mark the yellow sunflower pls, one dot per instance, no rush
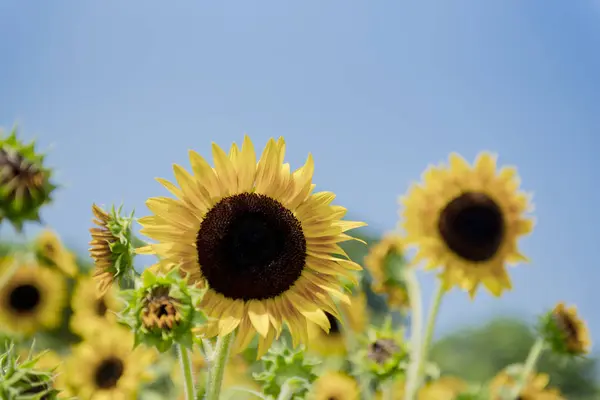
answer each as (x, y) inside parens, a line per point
(258, 238)
(52, 253)
(335, 386)
(536, 387)
(333, 342)
(573, 330)
(443, 388)
(106, 367)
(32, 299)
(468, 220)
(385, 281)
(92, 312)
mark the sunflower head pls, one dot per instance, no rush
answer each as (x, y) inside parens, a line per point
(24, 181)
(111, 247)
(254, 233)
(285, 366)
(383, 356)
(23, 378)
(335, 386)
(163, 310)
(536, 386)
(50, 252)
(32, 299)
(565, 331)
(468, 220)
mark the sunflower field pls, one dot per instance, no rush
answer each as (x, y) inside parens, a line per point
(260, 289)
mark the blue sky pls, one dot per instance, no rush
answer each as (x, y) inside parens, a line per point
(118, 91)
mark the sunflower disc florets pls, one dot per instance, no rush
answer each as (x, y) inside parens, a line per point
(163, 310)
(111, 247)
(285, 366)
(21, 379)
(24, 181)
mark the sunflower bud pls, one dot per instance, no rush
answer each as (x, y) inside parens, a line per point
(24, 182)
(22, 379)
(285, 366)
(565, 332)
(111, 247)
(163, 310)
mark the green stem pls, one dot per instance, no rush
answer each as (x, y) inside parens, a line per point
(416, 327)
(286, 392)
(534, 355)
(388, 391)
(352, 346)
(186, 368)
(219, 362)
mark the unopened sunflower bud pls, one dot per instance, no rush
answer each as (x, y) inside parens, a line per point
(565, 332)
(163, 310)
(24, 181)
(111, 247)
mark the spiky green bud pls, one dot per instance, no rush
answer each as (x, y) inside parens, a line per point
(163, 310)
(24, 181)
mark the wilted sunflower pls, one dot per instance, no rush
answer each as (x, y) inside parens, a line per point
(468, 220)
(566, 332)
(335, 386)
(258, 238)
(536, 387)
(333, 342)
(92, 312)
(385, 262)
(32, 299)
(106, 366)
(51, 252)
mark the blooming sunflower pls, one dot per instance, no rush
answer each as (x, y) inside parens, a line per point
(381, 264)
(32, 299)
(51, 252)
(332, 342)
(258, 238)
(468, 220)
(335, 386)
(536, 387)
(573, 335)
(106, 366)
(92, 312)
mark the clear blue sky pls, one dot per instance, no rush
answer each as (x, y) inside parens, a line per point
(375, 90)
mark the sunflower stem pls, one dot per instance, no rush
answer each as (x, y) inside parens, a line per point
(219, 362)
(416, 329)
(186, 368)
(388, 391)
(287, 392)
(532, 359)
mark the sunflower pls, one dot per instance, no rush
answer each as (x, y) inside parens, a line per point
(52, 253)
(32, 299)
(468, 220)
(107, 367)
(90, 311)
(333, 342)
(536, 387)
(387, 279)
(258, 238)
(335, 386)
(573, 332)
(443, 388)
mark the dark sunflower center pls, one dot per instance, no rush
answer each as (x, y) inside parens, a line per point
(335, 326)
(101, 307)
(382, 349)
(109, 372)
(24, 298)
(162, 311)
(472, 225)
(251, 247)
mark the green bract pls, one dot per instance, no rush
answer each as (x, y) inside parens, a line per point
(20, 380)
(163, 310)
(285, 366)
(24, 181)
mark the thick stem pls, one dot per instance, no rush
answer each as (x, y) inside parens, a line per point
(530, 362)
(416, 327)
(423, 350)
(219, 362)
(286, 393)
(186, 369)
(351, 346)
